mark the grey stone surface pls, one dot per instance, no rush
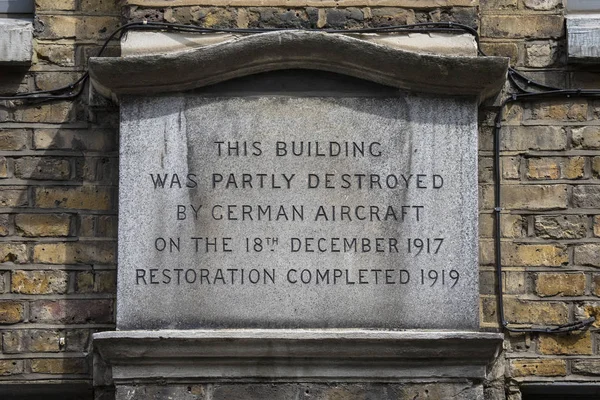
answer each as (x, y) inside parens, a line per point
(426, 138)
(16, 41)
(583, 37)
(252, 355)
(287, 391)
(280, 50)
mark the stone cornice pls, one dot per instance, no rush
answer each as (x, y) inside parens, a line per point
(295, 49)
(296, 355)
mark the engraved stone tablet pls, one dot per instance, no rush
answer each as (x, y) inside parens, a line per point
(298, 212)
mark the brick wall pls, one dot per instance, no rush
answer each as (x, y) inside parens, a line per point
(551, 199)
(58, 177)
(58, 168)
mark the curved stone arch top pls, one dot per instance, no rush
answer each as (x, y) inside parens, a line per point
(295, 49)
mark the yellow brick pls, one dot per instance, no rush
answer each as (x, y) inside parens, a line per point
(543, 168)
(74, 253)
(85, 282)
(561, 226)
(578, 343)
(587, 254)
(51, 80)
(75, 139)
(11, 312)
(587, 310)
(105, 282)
(525, 197)
(4, 225)
(107, 226)
(486, 197)
(535, 255)
(596, 285)
(514, 282)
(33, 225)
(3, 168)
(67, 5)
(560, 110)
(486, 170)
(522, 137)
(488, 310)
(11, 367)
(42, 168)
(14, 139)
(542, 5)
(541, 54)
(87, 226)
(560, 284)
(534, 312)
(510, 167)
(57, 112)
(218, 17)
(63, 55)
(13, 197)
(82, 28)
(302, 3)
(512, 226)
(573, 168)
(521, 26)
(498, 4)
(96, 282)
(83, 197)
(104, 6)
(31, 340)
(586, 196)
(13, 252)
(586, 367)
(525, 367)
(59, 366)
(596, 167)
(577, 112)
(587, 137)
(534, 197)
(509, 50)
(39, 282)
(526, 255)
(44, 341)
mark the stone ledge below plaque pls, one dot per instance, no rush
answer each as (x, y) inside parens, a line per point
(376, 61)
(296, 355)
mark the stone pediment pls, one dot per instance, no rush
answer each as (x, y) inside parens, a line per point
(353, 55)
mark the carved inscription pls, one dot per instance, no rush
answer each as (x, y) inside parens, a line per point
(293, 240)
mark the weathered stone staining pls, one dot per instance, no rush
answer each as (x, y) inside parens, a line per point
(307, 200)
(360, 179)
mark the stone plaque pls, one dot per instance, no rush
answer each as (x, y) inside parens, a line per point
(298, 212)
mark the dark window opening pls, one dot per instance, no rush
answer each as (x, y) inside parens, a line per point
(560, 391)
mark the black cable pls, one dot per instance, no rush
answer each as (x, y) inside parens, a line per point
(54, 94)
(420, 27)
(49, 94)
